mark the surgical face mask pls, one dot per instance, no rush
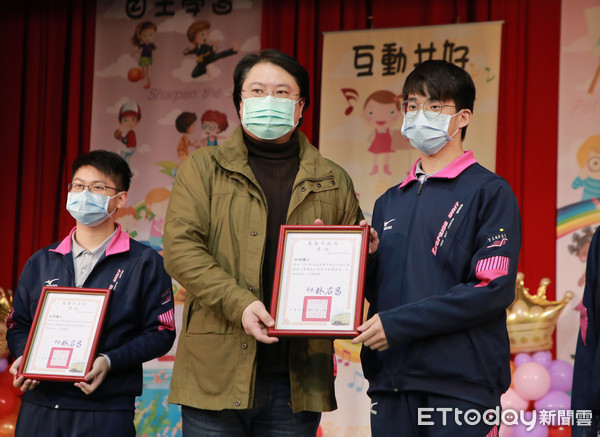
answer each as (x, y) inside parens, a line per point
(428, 135)
(88, 208)
(269, 117)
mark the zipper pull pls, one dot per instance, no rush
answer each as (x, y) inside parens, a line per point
(420, 188)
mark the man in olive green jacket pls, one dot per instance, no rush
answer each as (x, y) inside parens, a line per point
(215, 235)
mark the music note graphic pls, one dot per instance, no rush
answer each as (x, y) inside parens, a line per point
(345, 357)
(350, 94)
(358, 386)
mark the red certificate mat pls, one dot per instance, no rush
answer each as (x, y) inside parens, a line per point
(319, 281)
(64, 334)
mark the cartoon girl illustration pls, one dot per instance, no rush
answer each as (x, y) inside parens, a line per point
(129, 116)
(380, 112)
(213, 123)
(127, 218)
(580, 248)
(185, 123)
(156, 203)
(588, 158)
(205, 53)
(142, 39)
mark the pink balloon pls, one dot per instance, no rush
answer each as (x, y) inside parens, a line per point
(512, 400)
(561, 375)
(531, 380)
(544, 358)
(521, 358)
(553, 401)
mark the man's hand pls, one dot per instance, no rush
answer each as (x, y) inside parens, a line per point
(372, 334)
(21, 382)
(95, 377)
(255, 320)
(373, 238)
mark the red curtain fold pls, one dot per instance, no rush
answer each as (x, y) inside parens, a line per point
(46, 92)
(527, 122)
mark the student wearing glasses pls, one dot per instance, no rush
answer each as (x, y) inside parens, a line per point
(221, 236)
(139, 324)
(435, 344)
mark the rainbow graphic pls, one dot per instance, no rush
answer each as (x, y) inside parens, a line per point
(576, 216)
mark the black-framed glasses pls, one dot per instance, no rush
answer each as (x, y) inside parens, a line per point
(431, 109)
(92, 188)
(280, 94)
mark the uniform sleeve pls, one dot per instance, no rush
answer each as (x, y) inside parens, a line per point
(20, 319)
(156, 313)
(586, 373)
(486, 290)
(186, 236)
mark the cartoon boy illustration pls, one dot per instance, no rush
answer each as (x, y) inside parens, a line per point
(588, 158)
(213, 123)
(381, 111)
(142, 39)
(205, 53)
(185, 123)
(129, 116)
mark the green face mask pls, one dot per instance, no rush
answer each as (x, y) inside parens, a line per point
(268, 117)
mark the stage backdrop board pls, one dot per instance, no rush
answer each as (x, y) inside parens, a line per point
(363, 74)
(578, 211)
(162, 78)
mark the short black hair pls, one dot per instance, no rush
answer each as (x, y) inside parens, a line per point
(109, 163)
(276, 57)
(442, 80)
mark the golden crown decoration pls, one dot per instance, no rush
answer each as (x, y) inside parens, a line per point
(6, 305)
(531, 318)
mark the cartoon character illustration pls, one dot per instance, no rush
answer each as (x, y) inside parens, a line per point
(127, 218)
(185, 123)
(380, 112)
(205, 53)
(588, 158)
(580, 248)
(142, 39)
(130, 115)
(213, 123)
(156, 202)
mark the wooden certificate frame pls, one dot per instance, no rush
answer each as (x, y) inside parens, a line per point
(64, 334)
(319, 281)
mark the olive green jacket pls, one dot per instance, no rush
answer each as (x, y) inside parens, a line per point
(214, 239)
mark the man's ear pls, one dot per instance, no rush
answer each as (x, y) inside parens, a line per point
(464, 118)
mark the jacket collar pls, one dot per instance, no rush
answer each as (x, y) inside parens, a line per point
(119, 243)
(233, 155)
(451, 171)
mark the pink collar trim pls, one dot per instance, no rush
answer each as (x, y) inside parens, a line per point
(451, 171)
(119, 243)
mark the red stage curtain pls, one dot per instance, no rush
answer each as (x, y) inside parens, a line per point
(46, 91)
(528, 115)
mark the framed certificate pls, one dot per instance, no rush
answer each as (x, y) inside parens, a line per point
(319, 281)
(64, 334)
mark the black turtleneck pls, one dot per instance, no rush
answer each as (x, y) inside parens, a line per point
(275, 166)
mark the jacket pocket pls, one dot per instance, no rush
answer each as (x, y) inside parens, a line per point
(203, 321)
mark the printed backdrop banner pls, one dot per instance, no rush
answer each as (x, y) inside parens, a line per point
(578, 182)
(162, 88)
(363, 74)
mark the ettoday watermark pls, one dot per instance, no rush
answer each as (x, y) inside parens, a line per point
(496, 416)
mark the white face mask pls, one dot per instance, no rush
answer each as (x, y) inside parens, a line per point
(426, 135)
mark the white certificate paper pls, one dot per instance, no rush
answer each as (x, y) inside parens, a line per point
(318, 281)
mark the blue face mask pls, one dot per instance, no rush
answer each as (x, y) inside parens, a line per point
(268, 117)
(427, 135)
(88, 208)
